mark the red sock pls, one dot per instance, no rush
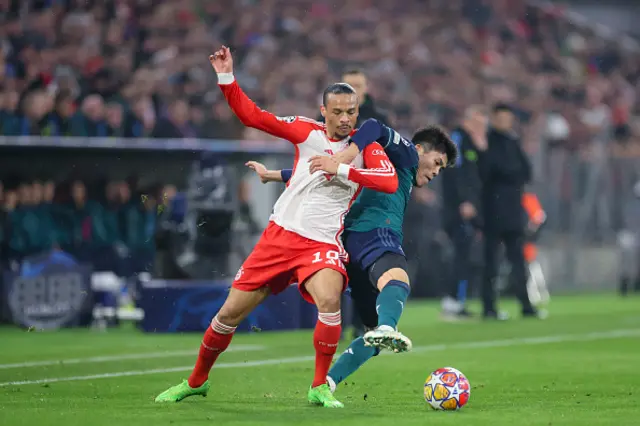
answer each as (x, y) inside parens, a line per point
(216, 340)
(325, 340)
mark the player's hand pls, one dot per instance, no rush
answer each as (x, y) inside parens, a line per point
(348, 155)
(260, 170)
(323, 163)
(221, 60)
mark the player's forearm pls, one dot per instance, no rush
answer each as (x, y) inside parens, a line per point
(383, 179)
(273, 176)
(242, 106)
(370, 131)
(348, 155)
(401, 152)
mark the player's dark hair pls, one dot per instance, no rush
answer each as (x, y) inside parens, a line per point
(435, 138)
(337, 89)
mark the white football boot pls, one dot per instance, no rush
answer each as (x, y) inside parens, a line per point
(385, 337)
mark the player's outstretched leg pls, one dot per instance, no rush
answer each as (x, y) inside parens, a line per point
(325, 287)
(216, 340)
(394, 291)
(353, 358)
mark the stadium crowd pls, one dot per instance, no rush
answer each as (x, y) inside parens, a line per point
(139, 67)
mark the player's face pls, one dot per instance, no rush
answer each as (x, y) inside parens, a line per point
(431, 162)
(340, 114)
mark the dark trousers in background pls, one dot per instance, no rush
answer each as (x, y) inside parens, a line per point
(514, 243)
(462, 236)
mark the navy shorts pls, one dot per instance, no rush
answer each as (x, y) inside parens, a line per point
(365, 248)
(371, 255)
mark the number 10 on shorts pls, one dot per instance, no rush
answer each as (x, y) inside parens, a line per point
(330, 257)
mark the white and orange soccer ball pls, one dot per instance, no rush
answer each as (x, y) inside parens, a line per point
(447, 389)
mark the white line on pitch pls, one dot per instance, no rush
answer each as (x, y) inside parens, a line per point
(121, 357)
(613, 334)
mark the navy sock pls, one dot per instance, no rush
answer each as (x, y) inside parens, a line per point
(390, 302)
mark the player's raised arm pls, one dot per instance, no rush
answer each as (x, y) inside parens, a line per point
(289, 128)
(401, 152)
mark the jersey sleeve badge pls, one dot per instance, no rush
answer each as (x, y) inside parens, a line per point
(289, 119)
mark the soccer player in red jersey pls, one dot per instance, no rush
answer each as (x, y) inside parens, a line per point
(302, 243)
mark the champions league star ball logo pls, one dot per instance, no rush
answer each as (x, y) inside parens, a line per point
(49, 292)
(290, 119)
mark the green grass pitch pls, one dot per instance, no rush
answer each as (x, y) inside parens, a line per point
(581, 366)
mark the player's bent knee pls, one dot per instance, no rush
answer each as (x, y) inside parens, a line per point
(229, 317)
(328, 303)
(393, 274)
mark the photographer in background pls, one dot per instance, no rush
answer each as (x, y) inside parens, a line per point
(505, 171)
(462, 190)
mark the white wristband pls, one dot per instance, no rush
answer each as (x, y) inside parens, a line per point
(343, 171)
(226, 78)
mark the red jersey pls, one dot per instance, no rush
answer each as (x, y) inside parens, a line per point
(313, 205)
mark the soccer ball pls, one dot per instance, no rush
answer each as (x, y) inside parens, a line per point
(447, 389)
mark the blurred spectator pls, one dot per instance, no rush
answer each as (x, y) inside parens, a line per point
(224, 125)
(10, 120)
(49, 192)
(176, 124)
(198, 119)
(60, 121)
(141, 120)
(92, 121)
(34, 121)
(596, 115)
(86, 223)
(12, 243)
(141, 226)
(114, 120)
(36, 231)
